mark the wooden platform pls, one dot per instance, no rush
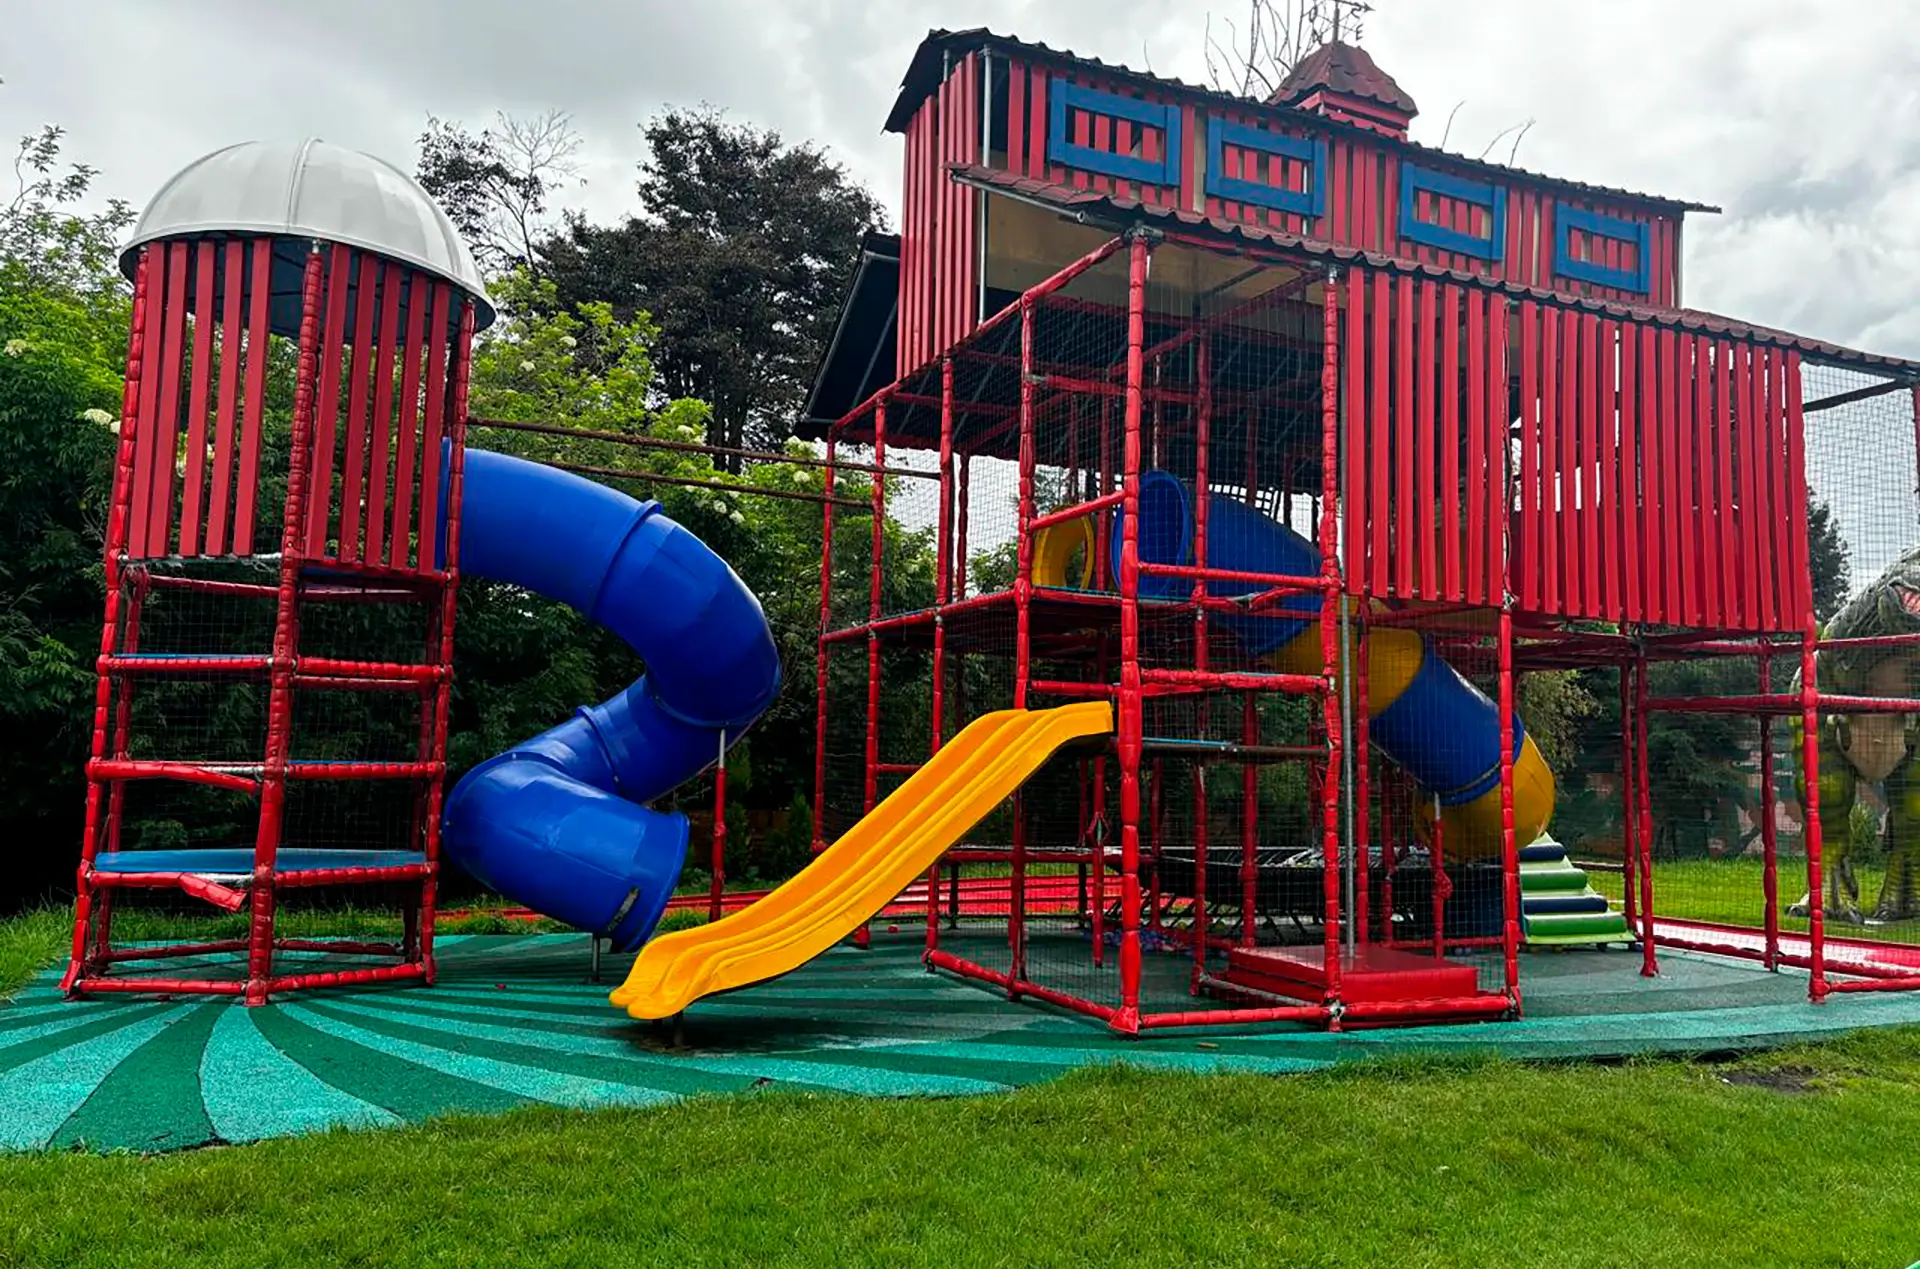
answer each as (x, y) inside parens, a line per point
(1370, 973)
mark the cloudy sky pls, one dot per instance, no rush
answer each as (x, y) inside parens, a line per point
(1800, 118)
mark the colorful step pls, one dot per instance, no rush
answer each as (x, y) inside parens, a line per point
(1558, 907)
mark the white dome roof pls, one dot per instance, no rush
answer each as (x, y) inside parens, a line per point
(305, 190)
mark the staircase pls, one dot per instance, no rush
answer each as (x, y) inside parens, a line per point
(1557, 906)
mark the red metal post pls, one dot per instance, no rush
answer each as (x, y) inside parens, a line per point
(1330, 633)
(119, 512)
(1509, 845)
(1629, 803)
(1770, 876)
(273, 780)
(1023, 635)
(1202, 441)
(1810, 812)
(1131, 720)
(824, 650)
(1650, 964)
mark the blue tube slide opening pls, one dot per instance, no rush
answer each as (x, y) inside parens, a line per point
(558, 822)
(1442, 730)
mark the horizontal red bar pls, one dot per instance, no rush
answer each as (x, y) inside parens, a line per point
(346, 946)
(310, 877)
(1905, 982)
(103, 769)
(364, 770)
(168, 986)
(1783, 703)
(967, 969)
(1441, 1007)
(1075, 512)
(895, 768)
(1059, 687)
(1297, 683)
(349, 977)
(1234, 1017)
(120, 954)
(1278, 581)
(183, 665)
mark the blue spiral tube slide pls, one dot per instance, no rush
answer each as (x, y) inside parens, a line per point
(559, 822)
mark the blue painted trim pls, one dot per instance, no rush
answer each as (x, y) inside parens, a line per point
(1637, 232)
(1311, 202)
(1063, 96)
(1480, 193)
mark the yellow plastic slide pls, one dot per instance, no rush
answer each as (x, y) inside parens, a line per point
(863, 871)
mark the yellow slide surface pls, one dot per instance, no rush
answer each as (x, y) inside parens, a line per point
(862, 872)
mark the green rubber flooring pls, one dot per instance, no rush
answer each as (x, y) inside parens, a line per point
(514, 1021)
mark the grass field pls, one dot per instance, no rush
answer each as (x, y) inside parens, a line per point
(1797, 1158)
(1800, 1157)
(1729, 891)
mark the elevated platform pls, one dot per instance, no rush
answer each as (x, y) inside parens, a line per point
(1371, 974)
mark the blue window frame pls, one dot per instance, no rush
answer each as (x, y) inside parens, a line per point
(1310, 202)
(1594, 225)
(1061, 149)
(1414, 180)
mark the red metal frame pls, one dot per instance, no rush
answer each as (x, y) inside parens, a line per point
(169, 366)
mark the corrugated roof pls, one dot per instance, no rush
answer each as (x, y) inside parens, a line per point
(1340, 67)
(927, 70)
(1120, 213)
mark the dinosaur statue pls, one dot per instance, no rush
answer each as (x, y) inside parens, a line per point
(1869, 748)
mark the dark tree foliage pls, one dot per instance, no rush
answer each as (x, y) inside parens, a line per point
(741, 249)
(1828, 560)
(496, 184)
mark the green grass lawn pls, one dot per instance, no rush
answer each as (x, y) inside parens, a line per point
(1797, 1158)
(1730, 891)
(1800, 1157)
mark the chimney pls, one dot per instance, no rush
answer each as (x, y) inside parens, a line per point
(1340, 81)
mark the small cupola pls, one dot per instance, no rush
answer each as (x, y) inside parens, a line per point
(1340, 81)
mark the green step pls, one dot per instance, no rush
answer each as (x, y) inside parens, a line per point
(1552, 880)
(1598, 927)
(1558, 878)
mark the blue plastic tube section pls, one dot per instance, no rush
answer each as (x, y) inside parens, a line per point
(558, 823)
(1442, 730)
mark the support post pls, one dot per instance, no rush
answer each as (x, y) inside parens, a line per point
(1127, 1018)
(1332, 692)
(1810, 812)
(1769, 852)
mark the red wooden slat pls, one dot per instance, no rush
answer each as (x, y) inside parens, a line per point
(1082, 126)
(1572, 592)
(1686, 459)
(1485, 505)
(220, 496)
(1552, 478)
(1120, 143)
(1802, 608)
(1607, 508)
(438, 335)
(1421, 521)
(253, 410)
(326, 415)
(1653, 546)
(1335, 227)
(166, 429)
(1776, 553)
(194, 486)
(1017, 118)
(1354, 365)
(938, 247)
(1454, 586)
(1405, 531)
(365, 301)
(381, 442)
(1381, 504)
(1671, 548)
(1592, 602)
(1788, 512)
(1704, 459)
(1726, 491)
(1746, 415)
(1491, 536)
(1390, 203)
(149, 404)
(1532, 595)
(967, 308)
(1627, 515)
(1042, 120)
(407, 422)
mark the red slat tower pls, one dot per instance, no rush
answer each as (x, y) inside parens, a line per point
(281, 564)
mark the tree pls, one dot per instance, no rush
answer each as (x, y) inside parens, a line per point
(63, 323)
(1827, 559)
(741, 250)
(496, 186)
(1261, 49)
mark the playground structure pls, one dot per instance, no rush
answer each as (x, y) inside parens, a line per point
(1276, 454)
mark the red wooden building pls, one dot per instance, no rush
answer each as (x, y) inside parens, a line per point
(1493, 440)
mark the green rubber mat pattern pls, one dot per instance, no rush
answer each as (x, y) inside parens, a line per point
(513, 1021)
